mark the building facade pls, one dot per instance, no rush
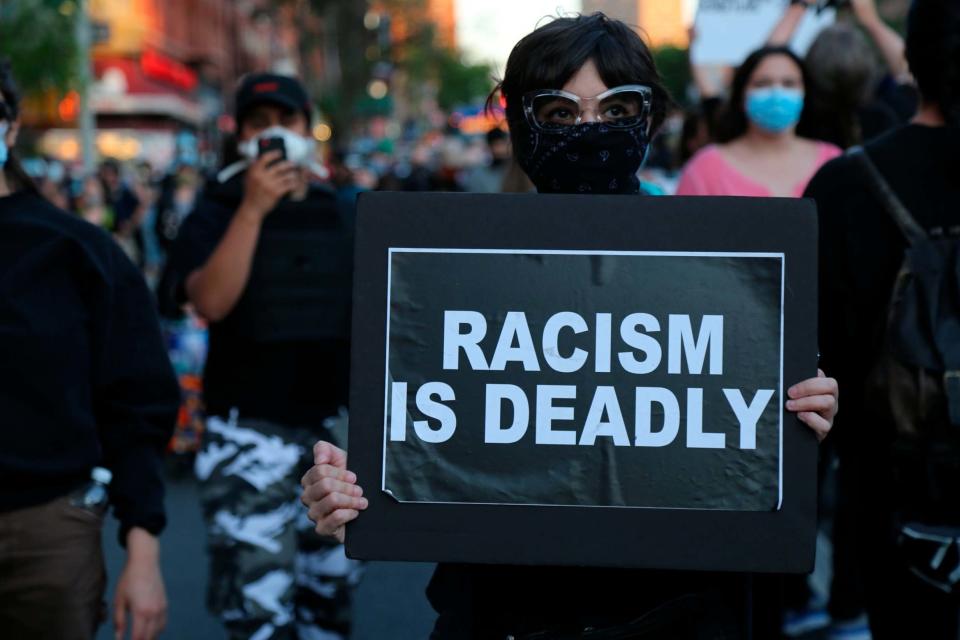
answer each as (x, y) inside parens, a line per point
(661, 22)
(164, 73)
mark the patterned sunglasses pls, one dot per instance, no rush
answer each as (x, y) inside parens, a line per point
(554, 110)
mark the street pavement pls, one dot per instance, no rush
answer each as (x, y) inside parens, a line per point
(390, 602)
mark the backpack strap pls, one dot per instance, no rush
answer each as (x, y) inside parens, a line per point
(911, 230)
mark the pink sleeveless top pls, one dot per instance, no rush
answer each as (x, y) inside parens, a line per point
(709, 174)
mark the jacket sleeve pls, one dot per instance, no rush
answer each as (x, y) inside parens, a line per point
(136, 398)
(827, 189)
(197, 238)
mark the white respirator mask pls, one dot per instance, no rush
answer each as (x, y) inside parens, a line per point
(299, 150)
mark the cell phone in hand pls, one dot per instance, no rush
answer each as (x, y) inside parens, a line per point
(266, 145)
(823, 5)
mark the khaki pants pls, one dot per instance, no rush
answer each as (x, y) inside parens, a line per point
(52, 576)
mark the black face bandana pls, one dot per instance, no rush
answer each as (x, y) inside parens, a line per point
(586, 158)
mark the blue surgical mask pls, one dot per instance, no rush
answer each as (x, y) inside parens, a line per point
(3, 143)
(774, 109)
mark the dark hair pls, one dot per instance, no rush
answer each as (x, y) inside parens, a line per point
(843, 74)
(111, 164)
(496, 134)
(933, 52)
(11, 96)
(549, 56)
(694, 124)
(733, 121)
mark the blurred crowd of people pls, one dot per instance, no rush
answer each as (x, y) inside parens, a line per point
(852, 84)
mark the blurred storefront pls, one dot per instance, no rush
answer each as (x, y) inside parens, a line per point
(164, 71)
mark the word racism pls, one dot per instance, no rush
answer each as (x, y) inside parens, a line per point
(644, 344)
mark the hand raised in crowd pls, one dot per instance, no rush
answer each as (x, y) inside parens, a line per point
(865, 10)
(140, 596)
(268, 179)
(330, 491)
(815, 401)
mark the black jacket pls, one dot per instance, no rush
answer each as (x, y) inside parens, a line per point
(282, 353)
(84, 374)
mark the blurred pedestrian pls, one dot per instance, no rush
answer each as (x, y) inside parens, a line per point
(888, 218)
(90, 203)
(853, 97)
(146, 188)
(84, 383)
(844, 75)
(128, 207)
(178, 196)
(488, 178)
(762, 150)
(266, 259)
(590, 83)
(694, 135)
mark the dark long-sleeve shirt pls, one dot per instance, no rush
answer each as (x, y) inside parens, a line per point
(84, 377)
(861, 250)
(283, 352)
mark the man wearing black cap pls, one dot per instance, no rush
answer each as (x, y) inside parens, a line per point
(266, 259)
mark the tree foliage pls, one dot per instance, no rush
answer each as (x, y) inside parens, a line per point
(38, 38)
(365, 54)
(427, 61)
(674, 66)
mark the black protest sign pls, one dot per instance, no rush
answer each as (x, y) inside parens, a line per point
(613, 358)
(531, 363)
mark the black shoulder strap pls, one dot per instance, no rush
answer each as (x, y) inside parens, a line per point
(912, 232)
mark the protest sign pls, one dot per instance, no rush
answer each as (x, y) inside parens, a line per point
(617, 360)
(726, 31)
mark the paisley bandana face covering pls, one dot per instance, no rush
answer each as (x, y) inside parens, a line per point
(563, 154)
(587, 158)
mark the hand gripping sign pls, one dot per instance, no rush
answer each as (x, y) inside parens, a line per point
(526, 364)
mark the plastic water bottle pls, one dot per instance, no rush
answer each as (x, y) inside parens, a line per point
(93, 496)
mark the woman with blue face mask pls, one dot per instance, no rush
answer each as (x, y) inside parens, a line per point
(762, 151)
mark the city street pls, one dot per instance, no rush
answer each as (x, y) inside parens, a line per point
(390, 601)
(231, 227)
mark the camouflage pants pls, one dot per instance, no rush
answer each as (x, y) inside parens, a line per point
(271, 576)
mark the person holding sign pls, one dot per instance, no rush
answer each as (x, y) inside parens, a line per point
(762, 151)
(583, 98)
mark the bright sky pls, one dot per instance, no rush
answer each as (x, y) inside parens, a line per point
(488, 29)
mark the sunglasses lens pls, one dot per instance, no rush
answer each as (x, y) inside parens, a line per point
(623, 109)
(554, 112)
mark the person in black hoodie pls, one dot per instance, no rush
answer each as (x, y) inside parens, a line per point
(84, 382)
(266, 259)
(587, 56)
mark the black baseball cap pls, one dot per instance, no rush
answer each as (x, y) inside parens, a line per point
(271, 88)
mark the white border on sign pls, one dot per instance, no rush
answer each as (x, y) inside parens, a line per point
(576, 252)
